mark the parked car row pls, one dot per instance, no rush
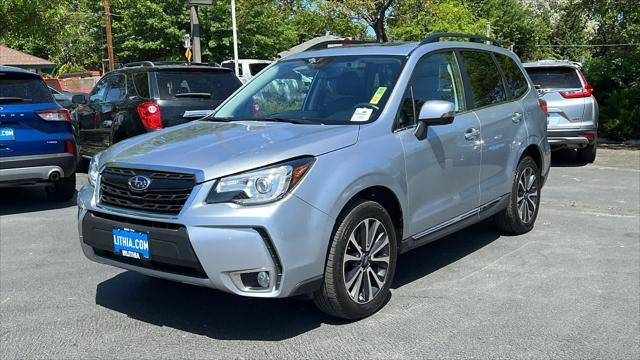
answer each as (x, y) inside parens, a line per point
(41, 143)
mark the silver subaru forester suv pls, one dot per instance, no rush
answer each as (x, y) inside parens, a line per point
(316, 174)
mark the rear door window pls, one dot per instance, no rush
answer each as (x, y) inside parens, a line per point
(514, 78)
(141, 84)
(555, 77)
(23, 89)
(486, 83)
(218, 84)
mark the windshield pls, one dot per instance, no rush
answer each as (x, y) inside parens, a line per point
(341, 89)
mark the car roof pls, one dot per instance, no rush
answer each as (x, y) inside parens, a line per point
(395, 48)
(15, 70)
(553, 63)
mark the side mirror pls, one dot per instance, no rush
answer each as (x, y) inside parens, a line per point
(79, 99)
(434, 113)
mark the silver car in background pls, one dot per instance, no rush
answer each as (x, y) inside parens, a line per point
(573, 111)
(316, 174)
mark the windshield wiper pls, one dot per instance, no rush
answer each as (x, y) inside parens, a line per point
(13, 100)
(193, 94)
(218, 119)
(292, 121)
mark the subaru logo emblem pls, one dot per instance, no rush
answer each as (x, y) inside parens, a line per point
(139, 183)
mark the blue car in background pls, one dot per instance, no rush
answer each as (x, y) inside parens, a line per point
(37, 146)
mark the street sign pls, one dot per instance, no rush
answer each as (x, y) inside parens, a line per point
(188, 54)
(187, 41)
(200, 2)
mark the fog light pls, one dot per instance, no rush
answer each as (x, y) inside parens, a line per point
(263, 279)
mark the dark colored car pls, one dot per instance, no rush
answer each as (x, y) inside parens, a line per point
(64, 98)
(146, 96)
(37, 146)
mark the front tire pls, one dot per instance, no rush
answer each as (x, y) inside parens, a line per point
(361, 263)
(524, 200)
(63, 189)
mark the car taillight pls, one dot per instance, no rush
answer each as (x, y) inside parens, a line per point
(543, 107)
(587, 135)
(150, 115)
(586, 90)
(70, 147)
(54, 115)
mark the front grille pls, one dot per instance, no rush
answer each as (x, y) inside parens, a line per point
(166, 194)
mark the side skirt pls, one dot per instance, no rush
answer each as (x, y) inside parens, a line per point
(458, 223)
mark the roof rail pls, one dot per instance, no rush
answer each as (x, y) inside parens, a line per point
(149, 63)
(139, 63)
(337, 43)
(472, 38)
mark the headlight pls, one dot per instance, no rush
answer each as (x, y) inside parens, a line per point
(94, 169)
(260, 186)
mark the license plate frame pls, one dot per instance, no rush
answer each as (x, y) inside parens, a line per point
(131, 243)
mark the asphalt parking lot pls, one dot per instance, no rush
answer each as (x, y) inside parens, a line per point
(568, 289)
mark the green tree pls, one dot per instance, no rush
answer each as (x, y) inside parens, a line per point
(414, 19)
(372, 12)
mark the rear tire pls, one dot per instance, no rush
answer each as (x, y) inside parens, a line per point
(587, 154)
(63, 189)
(357, 277)
(524, 200)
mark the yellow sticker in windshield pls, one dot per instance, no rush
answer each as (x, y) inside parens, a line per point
(378, 95)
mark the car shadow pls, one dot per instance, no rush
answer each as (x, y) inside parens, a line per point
(566, 158)
(224, 316)
(20, 200)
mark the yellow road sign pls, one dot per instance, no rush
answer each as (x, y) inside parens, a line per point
(188, 54)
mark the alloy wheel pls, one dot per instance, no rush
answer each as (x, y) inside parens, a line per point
(366, 260)
(527, 199)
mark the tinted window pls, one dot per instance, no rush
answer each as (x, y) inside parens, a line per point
(435, 77)
(514, 78)
(256, 68)
(217, 83)
(141, 83)
(555, 77)
(98, 92)
(117, 88)
(486, 82)
(28, 89)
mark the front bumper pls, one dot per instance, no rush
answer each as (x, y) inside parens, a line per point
(35, 168)
(571, 138)
(288, 238)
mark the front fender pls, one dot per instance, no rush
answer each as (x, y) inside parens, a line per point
(338, 176)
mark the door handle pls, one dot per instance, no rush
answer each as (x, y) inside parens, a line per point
(516, 117)
(472, 134)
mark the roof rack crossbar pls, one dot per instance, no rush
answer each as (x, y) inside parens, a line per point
(139, 63)
(472, 38)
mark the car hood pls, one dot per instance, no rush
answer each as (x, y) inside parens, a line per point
(214, 149)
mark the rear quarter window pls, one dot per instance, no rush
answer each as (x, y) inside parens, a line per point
(554, 77)
(31, 90)
(220, 84)
(514, 78)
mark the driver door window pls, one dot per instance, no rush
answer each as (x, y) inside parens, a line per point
(435, 77)
(99, 91)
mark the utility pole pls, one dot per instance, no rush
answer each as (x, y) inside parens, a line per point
(195, 34)
(488, 32)
(107, 20)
